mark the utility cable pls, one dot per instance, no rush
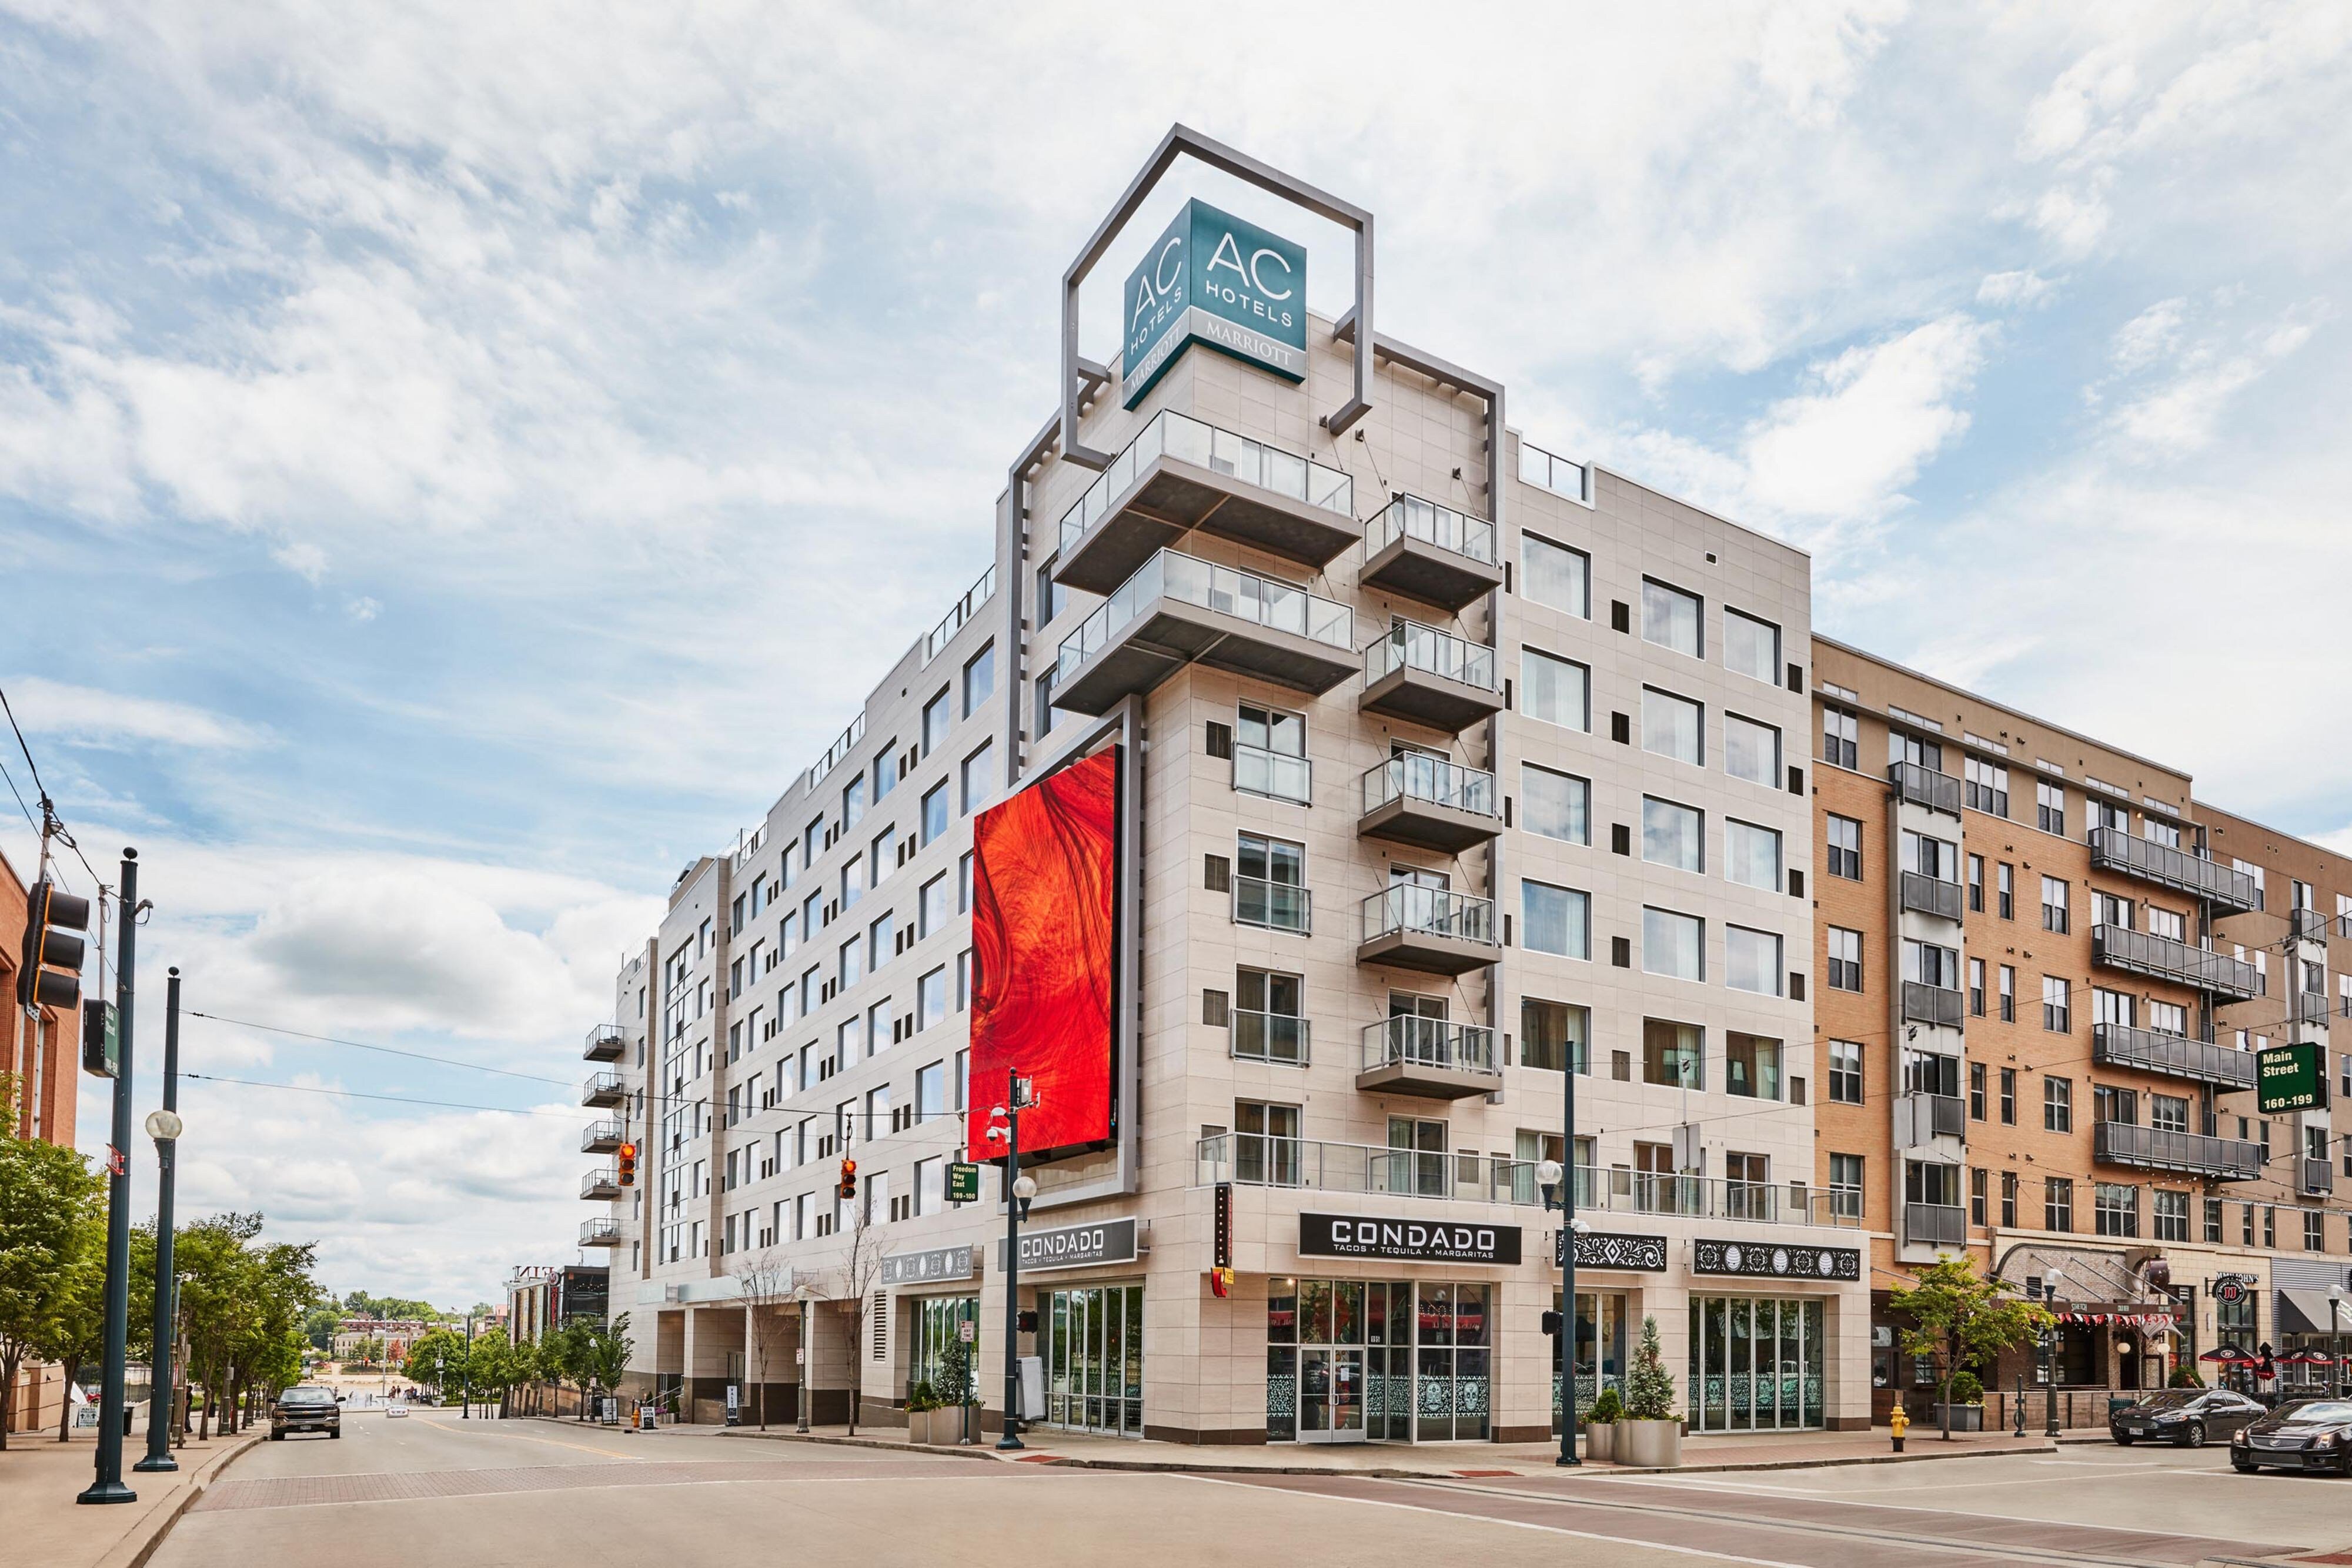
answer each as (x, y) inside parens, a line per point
(385, 1050)
(395, 1099)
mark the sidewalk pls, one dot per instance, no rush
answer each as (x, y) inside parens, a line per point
(1795, 1450)
(41, 1477)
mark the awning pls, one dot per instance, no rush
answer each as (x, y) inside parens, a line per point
(2087, 1274)
(2305, 1312)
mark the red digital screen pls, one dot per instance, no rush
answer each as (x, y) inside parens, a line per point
(1044, 890)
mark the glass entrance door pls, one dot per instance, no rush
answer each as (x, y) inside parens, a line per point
(1094, 1360)
(1331, 1396)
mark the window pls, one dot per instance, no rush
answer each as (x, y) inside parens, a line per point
(1554, 919)
(853, 802)
(1671, 1054)
(1670, 618)
(1270, 753)
(2314, 1232)
(979, 679)
(2170, 1114)
(1751, 647)
(2115, 1209)
(931, 998)
(2054, 905)
(1751, 1066)
(1976, 1196)
(2007, 891)
(2109, 1103)
(938, 717)
(935, 811)
(1986, 787)
(1931, 964)
(1554, 1033)
(2113, 1007)
(1752, 961)
(2057, 1005)
(1976, 884)
(2057, 1105)
(2007, 993)
(1751, 750)
(851, 968)
(1976, 1090)
(881, 941)
(1845, 959)
(1266, 1023)
(2057, 1203)
(1672, 834)
(2166, 922)
(1670, 727)
(1845, 1186)
(979, 778)
(2050, 807)
(1845, 847)
(886, 770)
(2168, 1017)
(1917, 750)
(1751, 855)
(1976, 988)
(2113, 817)
(1673, 945)
(1555, 690)
(2009, 1096)
(1846, 1072)
(852, 883)
(1555, 805)
(1269, 883)
(2213, 1221)
(1557, 577)
(1840, 733)
(932, 906)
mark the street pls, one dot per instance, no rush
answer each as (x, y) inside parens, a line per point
(433, 1489)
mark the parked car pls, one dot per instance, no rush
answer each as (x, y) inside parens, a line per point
(306, 1407)
(2308, 1434)
(2188, 1417)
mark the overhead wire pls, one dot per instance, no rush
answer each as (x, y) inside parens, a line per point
(384, 1050)
(358, 1094)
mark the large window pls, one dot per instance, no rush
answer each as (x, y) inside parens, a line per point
(1846, 1072)
(2057, 1005)
(2057, 1105)
(1751, 750)
(2171, 1215)
(1751, 1066)
(1844, 840)
(1841, 732)
(1556, 691)
(979, 679)
(1673, 1054)
(1554, 1033)
(1670, 618)
(1986, 786)
(1752, 961)
(938, 717)
(1671, 726)
(932, 906)
(1555, 805)
(1751, 855)
(1845, 1186)
(2057, 1203)
(2115, 1209)
(1671, 835)
(935, 811)
(1751, 647)
(2050, 807)
(979, 778)
(1845, 959)
(1555, 920)
(1557, 577)
(1269, 883)
(1674, 945)
(2054, 905)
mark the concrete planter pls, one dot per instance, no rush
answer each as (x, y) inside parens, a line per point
(1649, 1443)
(1601, 1440)
(1965, 1418)
(943, 1427)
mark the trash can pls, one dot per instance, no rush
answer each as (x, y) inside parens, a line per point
(126, 1420)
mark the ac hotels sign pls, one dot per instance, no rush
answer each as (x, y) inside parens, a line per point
(1213, 278)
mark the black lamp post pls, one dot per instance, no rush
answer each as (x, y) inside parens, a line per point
(165, 1126)
(2049, 1282)
(1557, 1182)
(1006, 1128)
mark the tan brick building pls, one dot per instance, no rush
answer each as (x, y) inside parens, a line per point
(41, 1058)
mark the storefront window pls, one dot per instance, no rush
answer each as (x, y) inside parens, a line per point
(1599, 1349)
(1756, 1363)
(936, 1321)
(1356, 1360)
(1094, 1359)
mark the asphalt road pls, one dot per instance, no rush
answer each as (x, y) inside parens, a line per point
(431, 1488)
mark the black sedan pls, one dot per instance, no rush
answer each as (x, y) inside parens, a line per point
(2308, 1434)
(2184, 1415)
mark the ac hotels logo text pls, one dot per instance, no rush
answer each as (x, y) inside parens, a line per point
(1213, 279)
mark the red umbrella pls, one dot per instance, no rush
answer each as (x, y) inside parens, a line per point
(2306, 1358)
(2228, 1355)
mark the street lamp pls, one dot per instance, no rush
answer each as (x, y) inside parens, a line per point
(1555, 1180)
(164, 1127)
(2049, 1284)
(1004, 1127)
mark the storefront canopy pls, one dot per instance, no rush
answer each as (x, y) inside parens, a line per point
(2305, 1312)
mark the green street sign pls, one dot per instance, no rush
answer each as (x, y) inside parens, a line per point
(1213, 278)
(963, 1183)
(102, 1039)
(2288, 1078)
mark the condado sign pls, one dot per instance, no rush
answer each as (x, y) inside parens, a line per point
(1405, 1241)
(2287, 1078)
(1213, 278)
(1076, 1246)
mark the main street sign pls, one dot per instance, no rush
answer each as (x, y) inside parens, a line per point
(1213, 279)
(2288, 1078)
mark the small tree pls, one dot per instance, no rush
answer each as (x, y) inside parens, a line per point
(860, 1271)
(48, 1210)
(954, 1382)
(606, 1359)
(767, 1286)
(1649, 1387)
(1962, 1320)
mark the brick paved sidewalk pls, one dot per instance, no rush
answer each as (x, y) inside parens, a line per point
(41, 1477)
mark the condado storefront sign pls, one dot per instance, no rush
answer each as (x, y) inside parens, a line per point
(1405, 1241)
(1076, 1246)
(1213, 278)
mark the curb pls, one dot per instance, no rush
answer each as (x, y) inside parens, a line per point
(206, 1472)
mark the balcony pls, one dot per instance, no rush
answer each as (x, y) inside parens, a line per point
(1925, 787)
(1277, 775)
(1278, 1038)
(1276, 905)
(2175, 1056)
(1180, 474)
(2159, 1149)
(2316, 1177)
(600, 1186)
(1428, 929)
(1430, 1058)
(602, 1089)
(2162, 958)
(1308, 1165)
(1177, 611)
(1931, 1005)
(2228, 889)
(1432, 553)
(2306, 925)
(1425, 676)
(1935, 1225)
(605, 1043)
(1930, 895)
(1921, 1118)
(1429, 803)
(601, 1138)
(2311, 1008)
(600, 1233)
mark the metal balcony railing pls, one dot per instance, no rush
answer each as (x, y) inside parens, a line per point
(2163, 958)
(2176, 1056)
(1931, 1004)
(1925, 787)
(1935, 1225)
(1414, 910)
(1281, 1037)
(2224, 887)
(1433, 1043)
(600, 1136)
(2306, 925)
(1411, 516)
(1417, 776)
(1266, 601)
(605, 1043)
(1277, 775)
(599, 1232)
(1930, 895)
(1204, 445)
(2311, 1008)
(1410, 645)
(601, 1089)
(2227, 1159)
(1278, 905)
(2318, 1176)
(1925, 1116)
(601, 1183)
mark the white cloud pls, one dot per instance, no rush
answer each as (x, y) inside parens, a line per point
(2006, 290)
(82, 716)
(2148, 336)
(2073, 220)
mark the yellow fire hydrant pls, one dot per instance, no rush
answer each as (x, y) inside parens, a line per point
(1899, 1423)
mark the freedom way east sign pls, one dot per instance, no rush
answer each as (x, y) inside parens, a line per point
(1215, 279)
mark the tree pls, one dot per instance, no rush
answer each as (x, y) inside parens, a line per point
(606, 1361)
(319, 1326)
(437, 1361)
(49, 1209)
(1962, 1320)
(1649, 1387)
(859, 1271)
(497, 1365)
(75, 1333)
(767, 1286)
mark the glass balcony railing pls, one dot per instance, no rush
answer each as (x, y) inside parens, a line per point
(1927, 787)
(1169, 574)
(1437, 1043)
(1279, 905)
(1410, 645)
(1432, 779)
(1418, 911)
(1204, 445)
(1935, 1225)
(1281, 1037)
(1275, 774)
(1410, 516)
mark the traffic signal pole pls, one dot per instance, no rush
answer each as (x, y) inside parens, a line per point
(108, 1487)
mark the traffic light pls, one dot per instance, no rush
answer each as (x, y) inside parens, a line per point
(628, 1157)
(847, 1190)
(49, 916)
(1551, 1322)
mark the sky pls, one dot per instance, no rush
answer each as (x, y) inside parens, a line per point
(411, 418)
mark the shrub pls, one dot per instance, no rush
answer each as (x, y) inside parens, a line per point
(921, 1397)
(2185, 1376)
(1650, 1389)
(1606, 1409)
(954, 1385)
(1967, 1388)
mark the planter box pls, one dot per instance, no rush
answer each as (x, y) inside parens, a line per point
(937, 1426)
(1650, 1443)
(1601, 1440)
(1965, 1418)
